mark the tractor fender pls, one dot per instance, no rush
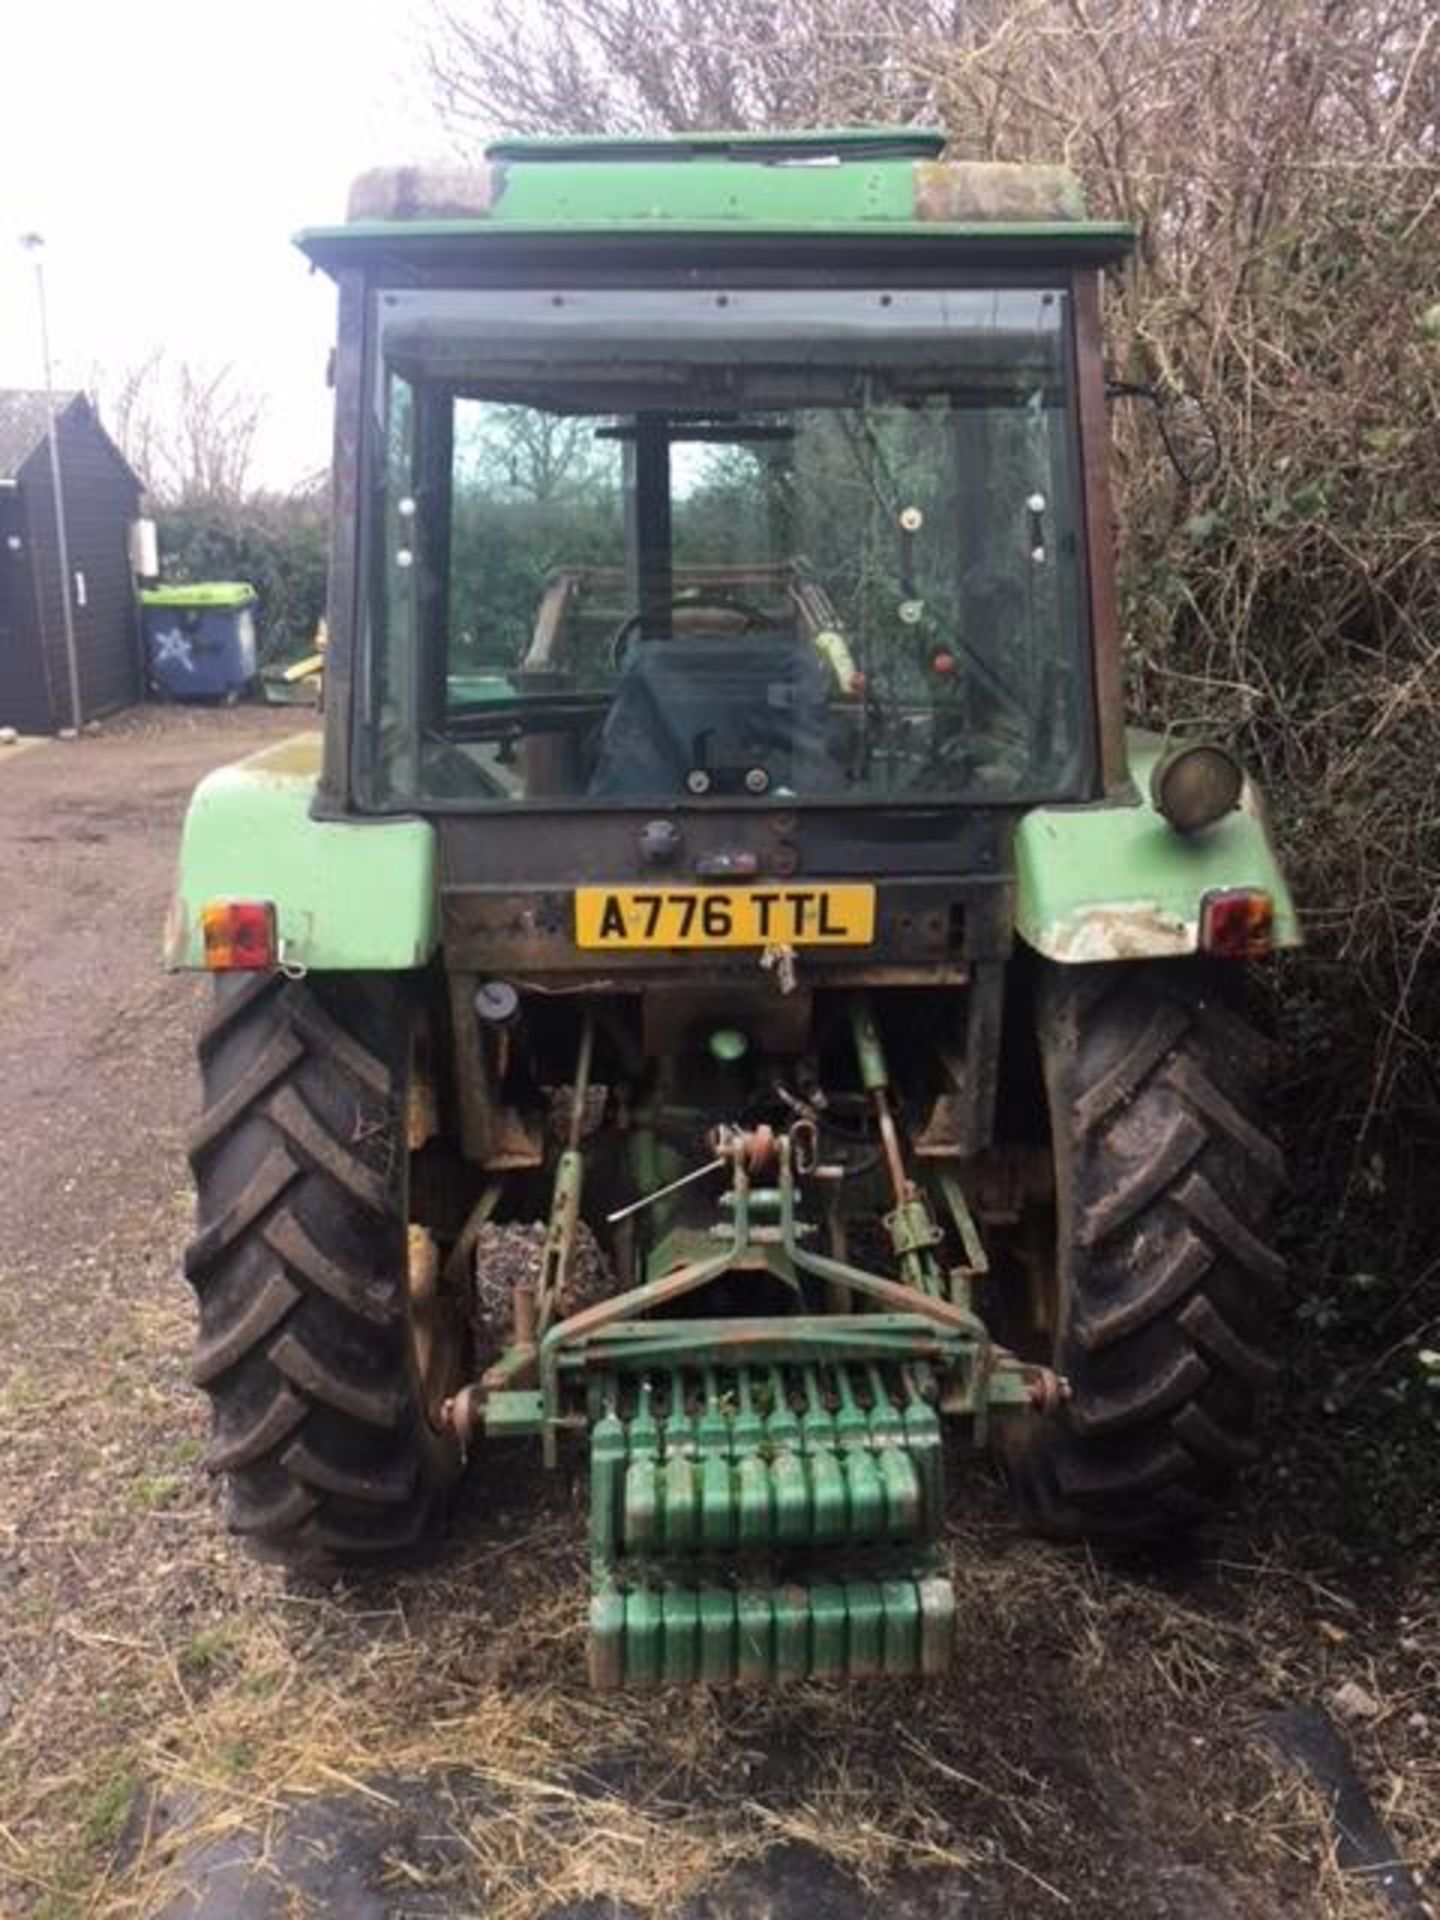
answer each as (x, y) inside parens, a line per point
(1115, 881)
(349, 895)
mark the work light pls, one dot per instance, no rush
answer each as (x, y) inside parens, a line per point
(1194, 786)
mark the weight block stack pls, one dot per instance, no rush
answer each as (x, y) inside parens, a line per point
(767, 1524)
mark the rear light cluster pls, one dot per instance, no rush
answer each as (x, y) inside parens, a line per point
(240, 936)
(1236, 923)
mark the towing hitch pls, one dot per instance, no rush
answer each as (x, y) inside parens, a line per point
(767, 1489)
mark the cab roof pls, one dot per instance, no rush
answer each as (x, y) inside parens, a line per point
(851, 184)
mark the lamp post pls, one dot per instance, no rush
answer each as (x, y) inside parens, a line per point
(34, 245)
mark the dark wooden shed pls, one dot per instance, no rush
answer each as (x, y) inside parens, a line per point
(102, 498)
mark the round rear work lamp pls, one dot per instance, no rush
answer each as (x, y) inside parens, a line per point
(1194, 786)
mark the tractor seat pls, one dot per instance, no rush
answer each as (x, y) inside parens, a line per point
(745, 716)
(685, 621)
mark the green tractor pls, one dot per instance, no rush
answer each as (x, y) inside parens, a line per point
(725, 992)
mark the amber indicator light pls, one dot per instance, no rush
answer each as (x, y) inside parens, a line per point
(239, 936)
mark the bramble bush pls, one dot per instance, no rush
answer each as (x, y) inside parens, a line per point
(276, 542)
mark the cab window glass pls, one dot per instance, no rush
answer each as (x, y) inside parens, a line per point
(777, 545)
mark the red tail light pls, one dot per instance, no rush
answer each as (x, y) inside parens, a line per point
(239, 936)
(1235, 924)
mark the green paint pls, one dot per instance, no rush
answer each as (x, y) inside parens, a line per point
(728, 1044)
(514, 1413)
(607, 1466)
(204, 593)
(795, 1442)
(1096, 241)
(475, 689)
(350, 896)
(622, 192)
(1116, 882)
(919, 142)
(860, 181)
(843, 1568)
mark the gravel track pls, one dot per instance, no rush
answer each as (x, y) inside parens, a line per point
(183, 1733)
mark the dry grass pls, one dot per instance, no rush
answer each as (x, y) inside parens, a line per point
(164, 1696)
(173, 1696)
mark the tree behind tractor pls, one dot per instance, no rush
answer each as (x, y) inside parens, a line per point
(726, 993)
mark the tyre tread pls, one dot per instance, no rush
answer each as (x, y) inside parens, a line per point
(272, 1424)
(239, 1332)
(298, 1264)
(1167, 1280)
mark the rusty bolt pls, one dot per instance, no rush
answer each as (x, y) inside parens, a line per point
(462, 1414)
(1048, 1391)
(525, 1314)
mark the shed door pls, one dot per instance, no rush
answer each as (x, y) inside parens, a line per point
(24, 697)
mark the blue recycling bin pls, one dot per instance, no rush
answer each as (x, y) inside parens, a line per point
(200, 639)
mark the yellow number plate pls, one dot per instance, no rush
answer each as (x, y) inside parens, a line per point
(784, 916)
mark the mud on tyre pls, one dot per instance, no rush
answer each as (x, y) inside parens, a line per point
(324, 1362)
(1165, 1280)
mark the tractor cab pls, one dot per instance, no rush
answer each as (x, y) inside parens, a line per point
(742, 489)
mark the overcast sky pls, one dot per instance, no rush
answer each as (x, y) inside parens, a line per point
(167, 150)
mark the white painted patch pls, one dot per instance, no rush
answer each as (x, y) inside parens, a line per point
(173, 649)
(1134, 930)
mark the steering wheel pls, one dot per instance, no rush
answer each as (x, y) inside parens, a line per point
(754, 618)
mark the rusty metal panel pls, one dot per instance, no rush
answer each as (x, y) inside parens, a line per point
(925, 932)
(342, 610)
(1099, 530)
(491, 1134)
(774, 1022)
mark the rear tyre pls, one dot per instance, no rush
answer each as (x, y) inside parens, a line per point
(323, 1344)
(1165, 1284)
